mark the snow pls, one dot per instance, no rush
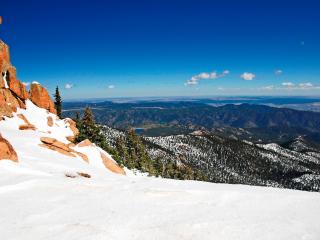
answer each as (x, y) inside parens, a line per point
(38, 201)
(114, 207)
(5, 80)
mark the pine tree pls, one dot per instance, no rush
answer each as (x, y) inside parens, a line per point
(58, 102)
(88, 118)
(77, 117)
(88, 129)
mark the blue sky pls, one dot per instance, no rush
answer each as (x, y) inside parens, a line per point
(166, 48)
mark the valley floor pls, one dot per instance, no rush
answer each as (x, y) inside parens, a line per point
(37, 206)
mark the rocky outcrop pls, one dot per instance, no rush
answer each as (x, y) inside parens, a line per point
(13, 92)
(40, 97)
(7, 152)
(17, 87)
(9, 74)
(5, 108)
(4, 57)
(111, 164)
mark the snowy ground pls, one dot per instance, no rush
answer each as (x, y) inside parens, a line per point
(38, 201)
(36, 206)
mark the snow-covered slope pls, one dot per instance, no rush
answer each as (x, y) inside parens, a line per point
(38, 206)
(33, 157)
(43, 197)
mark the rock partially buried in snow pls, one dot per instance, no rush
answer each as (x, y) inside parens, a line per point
(27, 125)
(50, 121)
(55, 145)
(7, 151)
(111, 165)
(54, 142)
(85, 143)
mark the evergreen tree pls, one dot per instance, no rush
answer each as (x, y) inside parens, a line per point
(88, 118)
(58, 102)
(88, 129)
(77, 117)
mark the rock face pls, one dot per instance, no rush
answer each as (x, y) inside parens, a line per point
(7, 151)
(40, 97)
(4, 57)
(17, 87)
(13, 92)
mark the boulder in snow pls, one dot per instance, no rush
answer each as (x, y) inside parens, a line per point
(7, 151)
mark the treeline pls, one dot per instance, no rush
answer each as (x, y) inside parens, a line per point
(129, 151)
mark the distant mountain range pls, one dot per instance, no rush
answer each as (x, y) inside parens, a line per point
(247, 121)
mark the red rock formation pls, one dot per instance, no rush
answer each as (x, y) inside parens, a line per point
(4, 57)
(40, 97)
(13, 93)
(7, 151)
(17, 87)
(8, 102)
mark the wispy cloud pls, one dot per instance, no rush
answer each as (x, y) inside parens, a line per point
(26, 83)
(205, 76)
(248, 76)
(288, 84)
(111, 87)
(68, 86)
(270, 87)
(278, 72)
(306, 85)
(292, 86)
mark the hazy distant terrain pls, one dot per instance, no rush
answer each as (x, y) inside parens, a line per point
(250, 120)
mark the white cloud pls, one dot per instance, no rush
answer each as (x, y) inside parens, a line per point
(306, 85)
(292, 86)
(288, 84)
(278, 72)
(270, 87)
(68, 86)
(192, 82)
(248, 76)
(111, 86)
(26, 83)
(205, 76)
